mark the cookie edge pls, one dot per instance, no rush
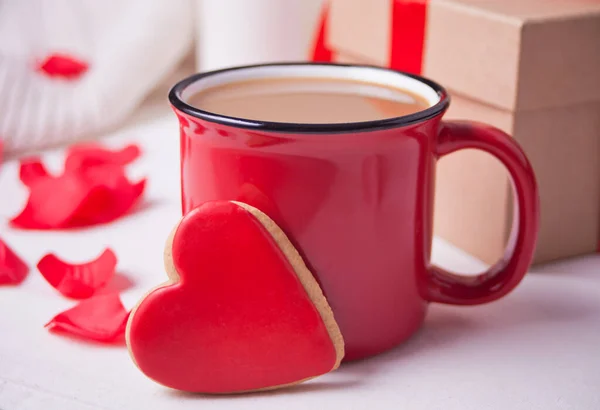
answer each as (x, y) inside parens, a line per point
(305, 276)
(173, 278)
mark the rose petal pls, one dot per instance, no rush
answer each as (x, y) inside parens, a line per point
(109, 201)
(53, 202)
(62, 65)
(117, 204)
(85, 155)
(71, 201)
(12, 269)
(31, 170)
(78, 281)
(101, 318)
(92, 190)
(109, 176)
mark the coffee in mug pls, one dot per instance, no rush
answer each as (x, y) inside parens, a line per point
(316, 100)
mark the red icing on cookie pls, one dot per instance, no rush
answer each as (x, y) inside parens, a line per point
(237, 318)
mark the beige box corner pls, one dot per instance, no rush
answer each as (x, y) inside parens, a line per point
(513, 54)
(473, 193)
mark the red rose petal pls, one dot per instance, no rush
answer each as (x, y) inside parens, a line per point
(106, 205)
(71, 201)
(12, 269)
(101, 318)
(52, 203)
(113, 196)
(62, 65)
(92, 190)
(78, 281)
(32, 170)
(85, 155)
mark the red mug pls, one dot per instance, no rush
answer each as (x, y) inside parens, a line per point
(356, 199)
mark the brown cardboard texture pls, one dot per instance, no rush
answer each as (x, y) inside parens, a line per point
(361, 28)
(474, 201)
(346, 58)
(513, 54)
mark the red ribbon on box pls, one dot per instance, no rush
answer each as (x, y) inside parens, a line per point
(408, 35)
(321, 52)
(409, 19)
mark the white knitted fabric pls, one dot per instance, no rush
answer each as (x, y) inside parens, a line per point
(130, 46)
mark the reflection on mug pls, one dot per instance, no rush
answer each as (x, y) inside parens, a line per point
(298, 185)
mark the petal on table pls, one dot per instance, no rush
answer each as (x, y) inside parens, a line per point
(81, 280)
(91, 154)
(12, 268)
(32, 170)
(101, 318)
(108, 203)
(92, 190)
(53, 202)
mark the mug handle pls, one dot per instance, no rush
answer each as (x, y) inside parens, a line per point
(501, 278)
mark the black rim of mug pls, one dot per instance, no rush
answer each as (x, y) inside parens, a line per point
(299, 128)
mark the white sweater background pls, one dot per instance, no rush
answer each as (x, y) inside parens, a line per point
(130, 46)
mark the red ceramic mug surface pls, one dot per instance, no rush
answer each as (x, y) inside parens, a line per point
(356, 199)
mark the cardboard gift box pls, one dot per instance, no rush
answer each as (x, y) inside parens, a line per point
(530, 68)
(474, 201)
(513, 54)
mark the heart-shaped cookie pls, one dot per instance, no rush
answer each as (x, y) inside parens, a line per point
(241, 311)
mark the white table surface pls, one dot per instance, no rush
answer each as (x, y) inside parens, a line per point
(538, 348)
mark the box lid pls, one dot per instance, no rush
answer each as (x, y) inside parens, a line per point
(513, 54)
